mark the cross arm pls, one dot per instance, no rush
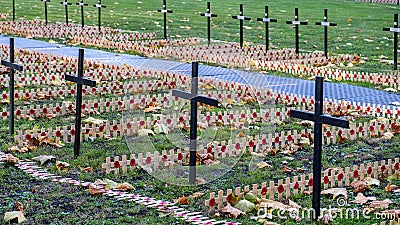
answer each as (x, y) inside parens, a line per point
(196, 98)
(82, 4)
(209, 15)
(295, 22)
(182, 94)
(324, 119)
(241, 17)
(12, 66)
(66, 3)
(165, 11)
(267, 20)
(99, 5)
(392, 29)
(80, 80)
(326, 24)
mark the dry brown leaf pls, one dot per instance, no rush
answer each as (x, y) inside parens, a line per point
(86, 169)
(19, 206)
(232, 211)
(125, 187)
(361, 199)
(96, 190)
(196, 195)
(182, 200)
(287, 169)
(263, 165)
(200, 181)
(359, 186)
(326, 218)
(335, 192)
(380, 204)
(61, 165)
(241, 134)
(9, 159)
(271, 204)
(390, 187)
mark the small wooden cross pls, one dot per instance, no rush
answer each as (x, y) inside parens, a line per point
(267, 20)
(326, 24)
(80, 81)
(241, 18)
(194, 98)
(45, 9)
(99, 6)
(319, 118)
(82, 4)
(297, 23)
(66, 4)
(395, 29)
(164, 10)
(208, 14)
(12, 67)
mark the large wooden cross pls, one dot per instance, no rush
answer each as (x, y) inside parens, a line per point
(319, 118)
(267, 20)
(164, 10)
(66, 4)
(208, 14)
(326, 24)
(297, 23)
(194, 98)
(80, 81)
(241, 18)
(45, 9)
(98, 5)
(82, 4)
(395, 29)
(12, 67)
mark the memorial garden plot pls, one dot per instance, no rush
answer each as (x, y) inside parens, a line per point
(248, 151)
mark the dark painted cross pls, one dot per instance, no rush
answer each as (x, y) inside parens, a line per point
(208, 14)
(326, 24)
(297, 23)
(80, 81)
(164, 10)
(267, 20)
(66, 4)
(395, 29)
(12, 67)
(13, 10)
(241, 18)
(45, 9)
(99, 6)
(319, 118)
(194, 98)
(82, 4)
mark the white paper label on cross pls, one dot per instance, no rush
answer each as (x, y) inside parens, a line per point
(81, 4)
(266, 19)
(164, 10)
(325, 24)
(240, 17)
(65, 3)
(296, 22)
(396, 30)
(207, 14)
(98, 5)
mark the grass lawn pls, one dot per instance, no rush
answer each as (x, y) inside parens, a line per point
(359, 32)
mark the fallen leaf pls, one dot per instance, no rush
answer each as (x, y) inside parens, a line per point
(42, 159)
(14, 214)
(110, 184)
(182, 200)
(359, 186)
(232, 199)
(390, 187)
(9, 159)
(287, 169)
(335, 192)
(326, 218)
(61, 165)
(96, 190)
(387, 135)
(371, 181)
(196, 195)
(86, 169)
(263, 165)
(19, 206)
(361, 199)
(232, 211)
(125, 187)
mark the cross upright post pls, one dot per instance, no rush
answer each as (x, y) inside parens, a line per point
(241, 18)
(326, 24)
(13, 10)
(319, 118)
(208, 14)
(99, 6)
(12, 67)
(194, 98)
(164, 10)
(267, 20)
(395, 29)
(45, 9)
(66, 4)
(82, 4)
(297, 23)
(80, 81)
